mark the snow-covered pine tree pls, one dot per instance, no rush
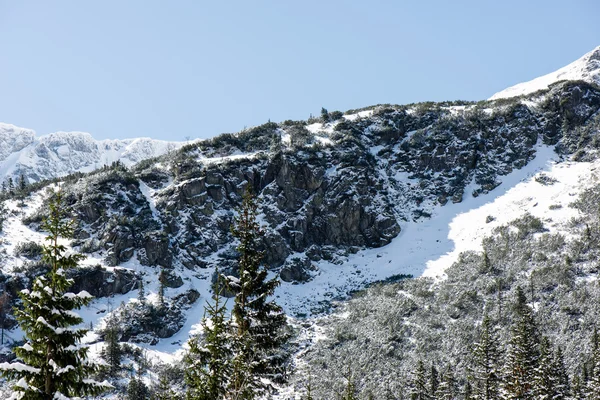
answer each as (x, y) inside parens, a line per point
(162, 277)
(418, 387)
(52, 363)
(486, 362)
(141, 291)
(593, 384)
(447, 388)
(4, 305)
(112, 352)
(434, 380)
(259, 321)
(579, 389)
(563, 387)
(522, 353)
(137, 389)
(209, 364)
(22, 183)
(163, 390)
(350, 392)
(545, 381)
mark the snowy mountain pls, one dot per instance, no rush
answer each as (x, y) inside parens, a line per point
(61, 153)
(470, 199)
(587, 69)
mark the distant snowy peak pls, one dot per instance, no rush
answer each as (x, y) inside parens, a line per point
(61, 153)
(587, 68)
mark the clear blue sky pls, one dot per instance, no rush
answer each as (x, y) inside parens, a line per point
(171, 69)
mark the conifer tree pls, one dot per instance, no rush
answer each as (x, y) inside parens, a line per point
(4, 305)
(209, 364)
(112, 352)
(579, 389)
(447, 389)
(350, 392)
(522, 354)
(11, 186)
(22, 184)
(545, 380)
(141, 291)
(137, 389)
(433, 380)
(486, 360)
(259, 322)
(163, 390)
(593, 384)
(418, 387)
(52, 362)
(563, 387)
(161, 287)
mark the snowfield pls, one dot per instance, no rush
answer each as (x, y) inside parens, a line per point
(587, 68)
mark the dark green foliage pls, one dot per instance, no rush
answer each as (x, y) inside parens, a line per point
(52, 362)
(350, 392)
(447, 389)
(30, 250)
(418, 387)
(523, 353)
(486, 362)
(259, 322)
(112, 352)
(209, 363)
(137, 390)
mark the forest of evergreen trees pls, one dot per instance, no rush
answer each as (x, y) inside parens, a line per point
(246, 355)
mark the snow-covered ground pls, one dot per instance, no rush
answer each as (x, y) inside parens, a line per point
(61, 153)
(586, 68)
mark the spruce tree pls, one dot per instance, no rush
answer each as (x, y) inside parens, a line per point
(522, 354)
(433, 380)
(22, 184)
(11, 186)
(593, 384)
(209, 364)
(4, 305)
(563, 387)
(486, 362)
(579, 389)
(350, 392)
(418, 387)
(52, 362)
(141, 291)
(112, 351)
(447, 389)
(137, 389)
(163, 390)
(259, 322)
(545, 380)
(162, 277)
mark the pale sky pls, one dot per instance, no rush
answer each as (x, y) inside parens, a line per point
(171, 69)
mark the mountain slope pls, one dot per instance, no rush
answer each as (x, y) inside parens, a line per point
(587, 69)
(58, 154)
(345, 201)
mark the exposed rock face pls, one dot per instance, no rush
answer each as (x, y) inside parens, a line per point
(146, 323)
(324, 190)
(100, 282)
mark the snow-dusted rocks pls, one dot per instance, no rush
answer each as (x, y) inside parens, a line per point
(61, 153)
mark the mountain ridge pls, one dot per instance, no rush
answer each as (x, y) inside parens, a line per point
(57, 154)
(586, 68)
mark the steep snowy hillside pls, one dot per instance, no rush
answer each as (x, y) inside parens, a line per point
(346, 200)
(61, 153)
(587, 69)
